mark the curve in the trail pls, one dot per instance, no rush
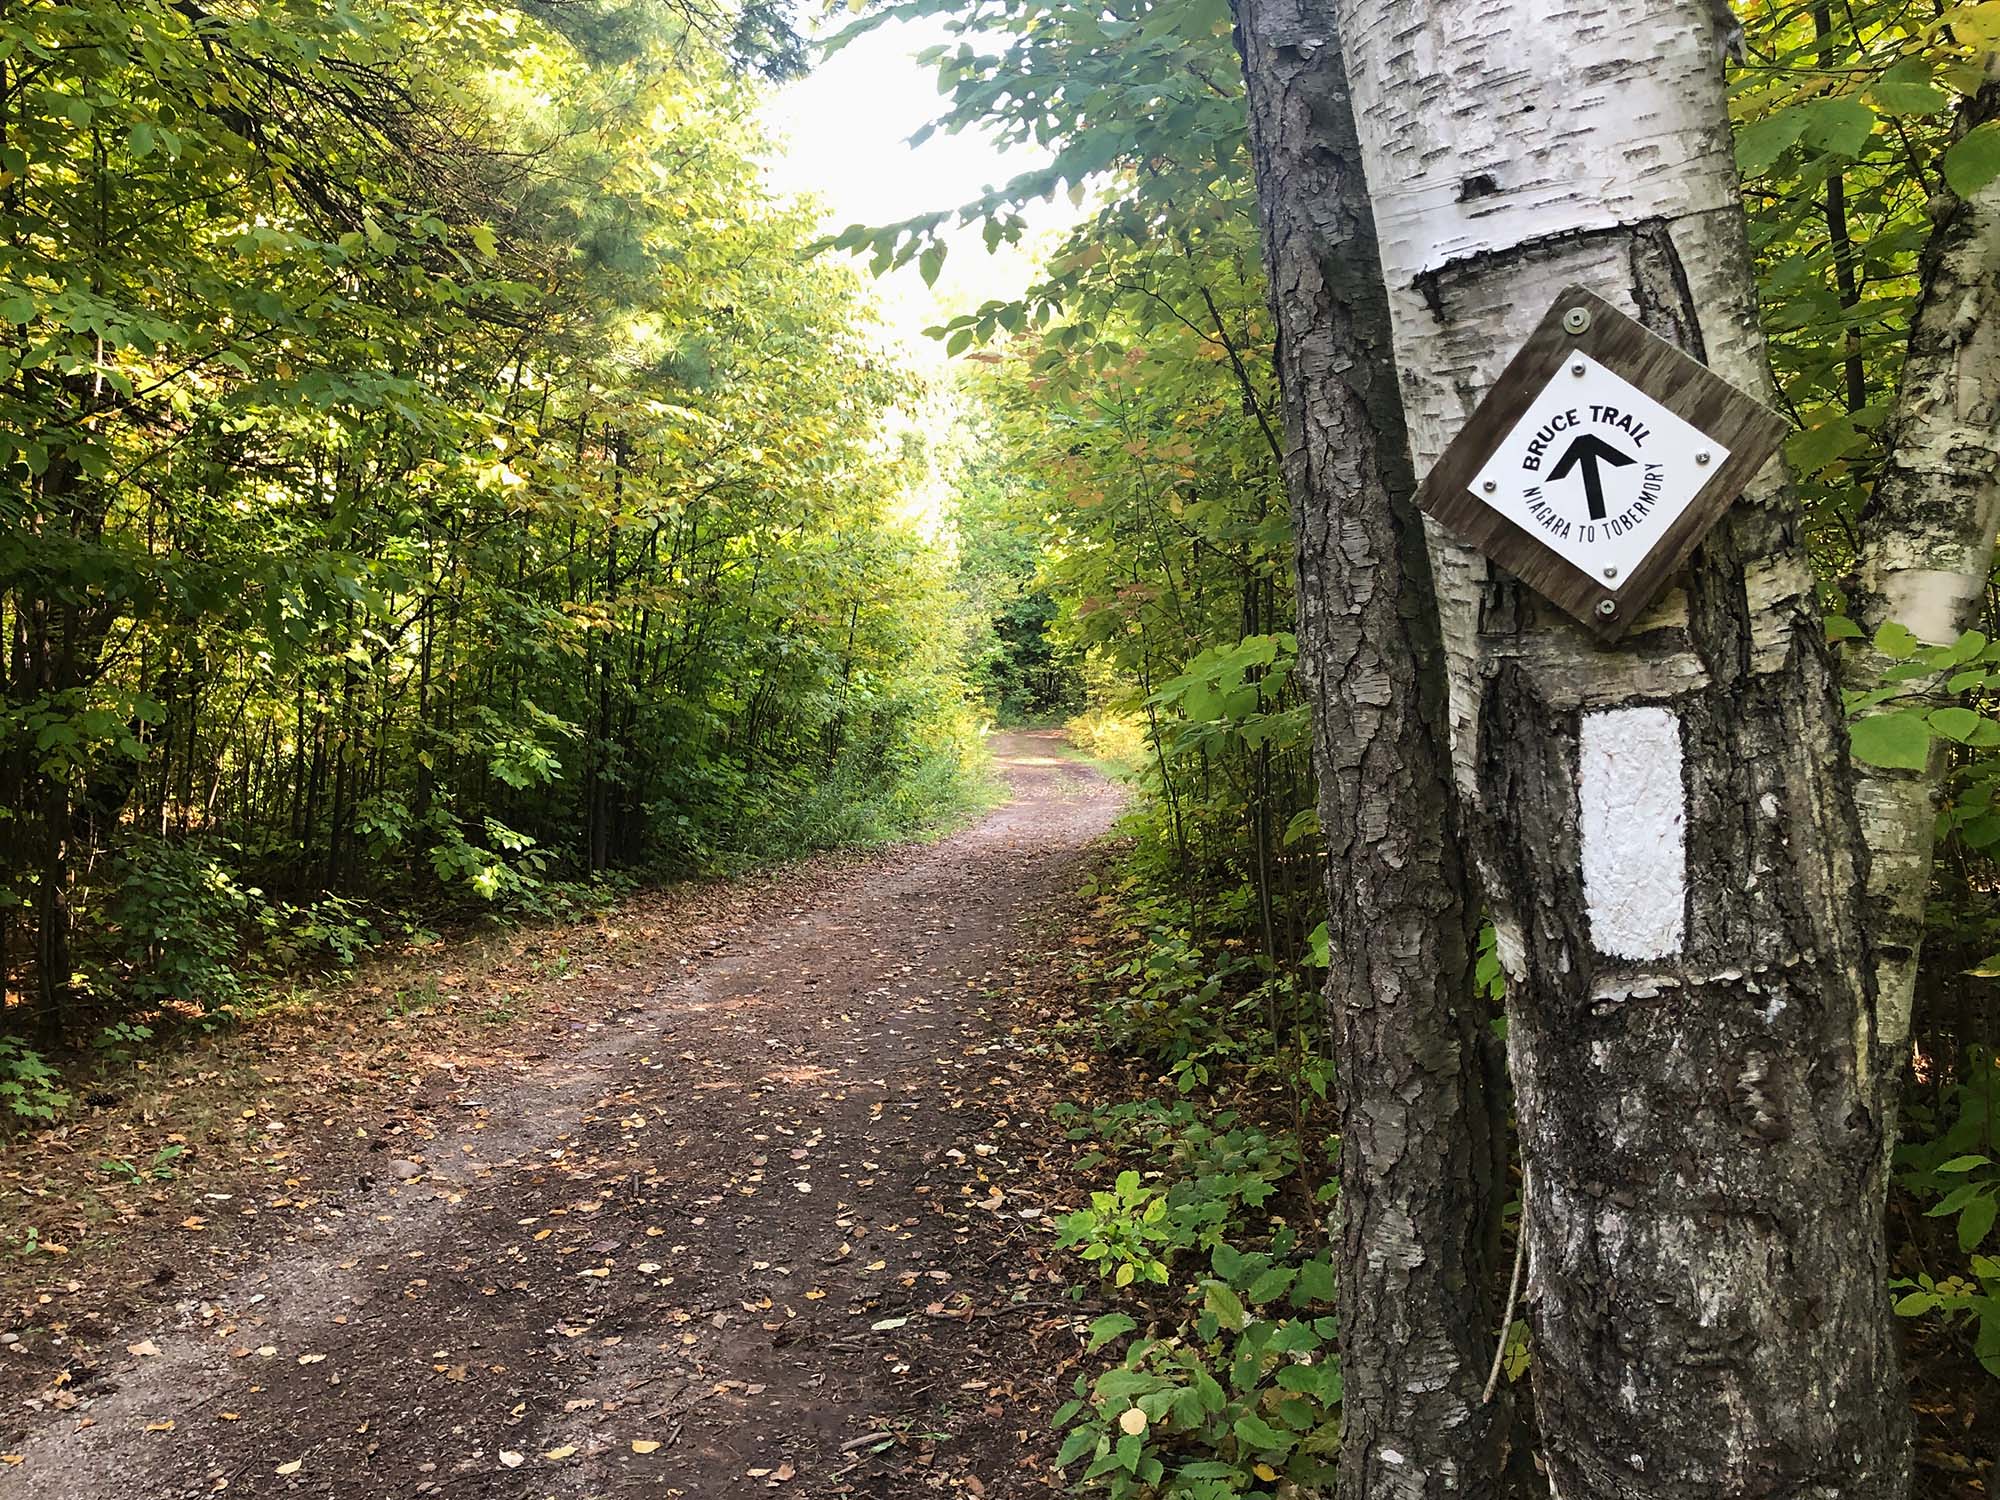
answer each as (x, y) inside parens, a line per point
(768, 1217)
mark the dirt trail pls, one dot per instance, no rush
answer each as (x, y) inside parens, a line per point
(783, 1200)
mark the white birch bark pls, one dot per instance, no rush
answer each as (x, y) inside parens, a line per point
(1927, 538)
(1696, 1099)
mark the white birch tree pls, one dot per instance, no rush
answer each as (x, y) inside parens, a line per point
(1926, 552)
(1694, 1050)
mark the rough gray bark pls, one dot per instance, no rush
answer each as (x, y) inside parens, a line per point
(1926, 550)
(1698, 1112)
(1421, 1152)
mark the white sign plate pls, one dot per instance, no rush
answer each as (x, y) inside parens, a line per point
(1597, 470)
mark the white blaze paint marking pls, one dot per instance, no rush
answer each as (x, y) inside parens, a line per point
(1633, 824)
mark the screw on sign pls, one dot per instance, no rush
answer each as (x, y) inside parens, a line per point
(1599, 459)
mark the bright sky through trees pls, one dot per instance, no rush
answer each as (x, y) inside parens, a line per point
(845, 130)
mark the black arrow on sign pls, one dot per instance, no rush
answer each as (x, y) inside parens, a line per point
(1585, 452)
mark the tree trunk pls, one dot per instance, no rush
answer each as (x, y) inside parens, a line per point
(1421, 1157)
(1665, 830)
(1926, 551)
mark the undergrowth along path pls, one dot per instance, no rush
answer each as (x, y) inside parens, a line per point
(774, 1227)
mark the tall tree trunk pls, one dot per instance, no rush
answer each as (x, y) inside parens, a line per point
(1422, 1154)
(1926, 551)
(1665, 830)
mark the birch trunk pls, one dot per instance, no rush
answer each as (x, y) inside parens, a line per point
(1421, 1152)
(1926, 551)
(1665, 830)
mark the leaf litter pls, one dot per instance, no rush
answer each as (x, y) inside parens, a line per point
(749, 1200)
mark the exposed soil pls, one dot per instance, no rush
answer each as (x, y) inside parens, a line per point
(770, 1215)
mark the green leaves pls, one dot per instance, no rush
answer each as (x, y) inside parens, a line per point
(1899, 740)
(1219, 1299)
(1108, 1327)
(1761, 143)
(1839, 126)
(1079, 1442)
(1973, 161)
(1962, 1164)
(1905, 88)
(1972, 1203)
(1272, 1285)
(1897, 723)
(1975, 1220)
(29, 1088)
(1256, 1433)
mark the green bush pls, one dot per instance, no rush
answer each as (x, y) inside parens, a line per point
(177, 920)
(1243, 1389)
(30, 1090)
(1246, 1392)
(1947, 1163)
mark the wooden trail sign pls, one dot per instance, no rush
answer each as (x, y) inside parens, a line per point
(1599, 459)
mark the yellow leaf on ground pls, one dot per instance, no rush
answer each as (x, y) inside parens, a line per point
(293, 1467)
(641, 1445)
(1132, 1421)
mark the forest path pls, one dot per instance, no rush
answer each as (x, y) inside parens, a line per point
(784, 1200)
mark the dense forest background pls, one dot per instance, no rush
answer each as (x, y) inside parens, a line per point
(436, 472)
(441, 476)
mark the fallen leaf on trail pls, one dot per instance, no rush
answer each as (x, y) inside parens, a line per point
(293, 1467)
(887, 1324)
(311, 1359)
(143, 1348)
(512, 1460)
(166, 1426)
(557, 1455)
(1132, 1421)
(10, 1458)
(1264, 1471)
(642, 1445)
